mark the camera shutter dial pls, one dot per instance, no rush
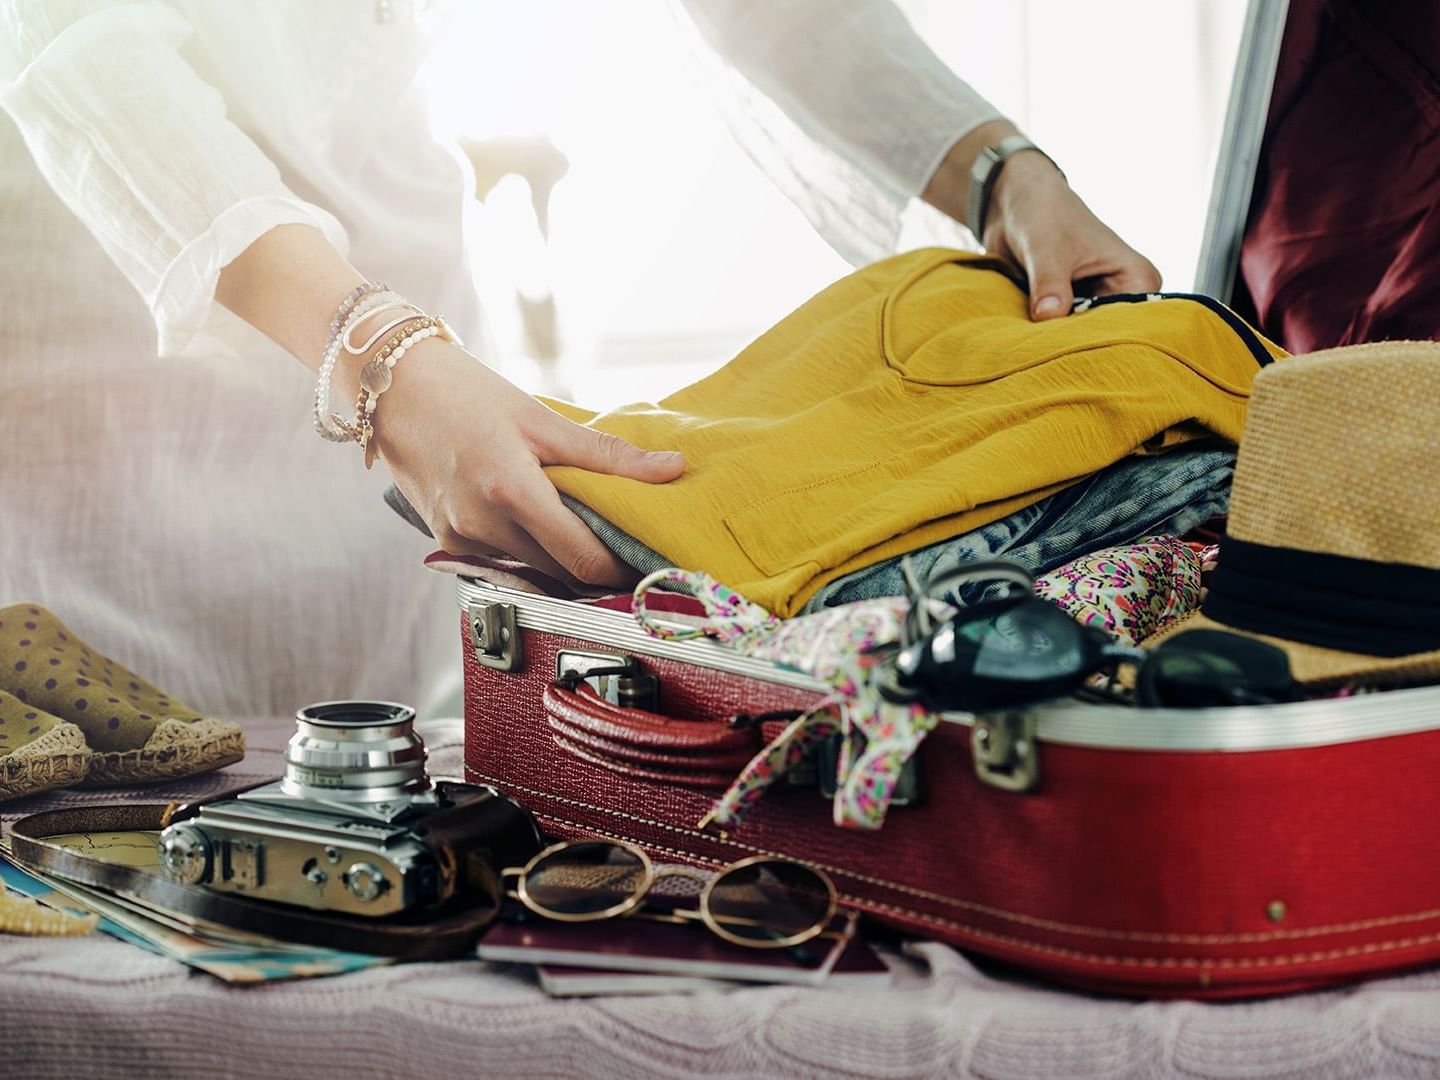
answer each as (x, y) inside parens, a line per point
(365, 881)
(185, 854)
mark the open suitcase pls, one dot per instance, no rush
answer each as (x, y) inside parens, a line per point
(1213, 853)
(1205, 853)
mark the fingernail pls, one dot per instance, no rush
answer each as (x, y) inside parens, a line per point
(1047, 305)
(667, 457)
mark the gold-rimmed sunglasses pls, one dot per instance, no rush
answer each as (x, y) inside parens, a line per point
(760, 902)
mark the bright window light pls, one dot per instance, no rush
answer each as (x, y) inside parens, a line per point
(668, 249)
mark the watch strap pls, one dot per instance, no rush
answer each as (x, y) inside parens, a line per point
(986, 171)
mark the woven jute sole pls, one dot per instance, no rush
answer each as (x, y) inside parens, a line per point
(175, 749)
(58, 758)
(21, 915)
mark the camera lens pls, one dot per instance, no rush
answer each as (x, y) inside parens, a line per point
(355, 751)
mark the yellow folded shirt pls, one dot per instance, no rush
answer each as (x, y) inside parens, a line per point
(910, 402)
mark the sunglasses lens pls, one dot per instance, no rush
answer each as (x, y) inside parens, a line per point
(771, 901)
(585, 879)
(1200, 668)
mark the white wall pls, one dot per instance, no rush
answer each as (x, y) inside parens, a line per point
(669, 249)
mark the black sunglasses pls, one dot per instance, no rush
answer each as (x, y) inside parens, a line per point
(1016, 649)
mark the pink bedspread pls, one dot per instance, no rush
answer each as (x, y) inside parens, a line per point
(99, 1008)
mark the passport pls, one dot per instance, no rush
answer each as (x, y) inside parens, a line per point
(638, 946)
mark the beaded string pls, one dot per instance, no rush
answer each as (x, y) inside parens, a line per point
(407, 312)
(368, 301)
(376, 377)
(363, 302)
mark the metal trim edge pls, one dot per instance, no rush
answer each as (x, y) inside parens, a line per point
(1240, 729)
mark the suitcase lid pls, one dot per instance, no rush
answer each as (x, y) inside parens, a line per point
(1240, 144)
(1319, 722)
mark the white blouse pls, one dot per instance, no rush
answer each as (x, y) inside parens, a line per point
(160, 486)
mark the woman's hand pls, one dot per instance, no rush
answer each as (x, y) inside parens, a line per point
(467, 448)
(1036, 221)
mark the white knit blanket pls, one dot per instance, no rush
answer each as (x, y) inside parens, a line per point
(98, 1008)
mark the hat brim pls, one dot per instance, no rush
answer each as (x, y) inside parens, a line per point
(1312, 665)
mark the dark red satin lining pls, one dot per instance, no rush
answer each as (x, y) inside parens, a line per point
(1344, 232)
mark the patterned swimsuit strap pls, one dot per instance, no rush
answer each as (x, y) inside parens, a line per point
(729, 617)
(876, 737)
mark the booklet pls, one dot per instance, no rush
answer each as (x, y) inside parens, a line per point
(641, 945)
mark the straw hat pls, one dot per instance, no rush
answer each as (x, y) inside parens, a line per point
(1332, 550)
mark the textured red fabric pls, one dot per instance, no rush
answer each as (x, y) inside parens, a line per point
(656, 601)
(639, 744)
(1197, 874)
(1344, 229)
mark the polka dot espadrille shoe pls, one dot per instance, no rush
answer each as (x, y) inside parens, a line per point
(135, 731)
(38, 751)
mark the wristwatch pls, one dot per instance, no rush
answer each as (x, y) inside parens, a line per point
(986, 171)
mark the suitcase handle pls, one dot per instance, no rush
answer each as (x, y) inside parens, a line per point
(646, 745)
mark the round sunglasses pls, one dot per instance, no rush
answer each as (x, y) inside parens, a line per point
(760, 902)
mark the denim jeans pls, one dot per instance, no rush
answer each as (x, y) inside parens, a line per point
(1137, 496)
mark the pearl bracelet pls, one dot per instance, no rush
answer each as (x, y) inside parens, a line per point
(376, 377)
(348, 304)
(363, 302)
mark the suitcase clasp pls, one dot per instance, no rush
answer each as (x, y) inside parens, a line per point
(1003, 746)
(494, 635)
(615, 677)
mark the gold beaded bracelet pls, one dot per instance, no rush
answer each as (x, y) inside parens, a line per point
(376, 377)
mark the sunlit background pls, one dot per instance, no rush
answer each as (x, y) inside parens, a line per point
(668, 249)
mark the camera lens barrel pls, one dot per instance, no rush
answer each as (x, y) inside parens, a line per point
(355, 751)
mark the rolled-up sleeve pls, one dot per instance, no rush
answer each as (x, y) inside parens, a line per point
(140, 148)
(857, 111)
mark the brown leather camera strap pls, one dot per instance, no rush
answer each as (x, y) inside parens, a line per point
(437, 934)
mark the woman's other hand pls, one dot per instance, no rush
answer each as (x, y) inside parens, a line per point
(1036, 221)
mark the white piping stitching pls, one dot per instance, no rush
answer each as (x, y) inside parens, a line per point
(1202, 964)
(1254, 937)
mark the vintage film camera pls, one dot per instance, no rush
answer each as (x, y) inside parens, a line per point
(355, 826)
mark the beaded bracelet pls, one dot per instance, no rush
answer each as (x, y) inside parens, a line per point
(407, 312)
(363, 302)
(348, 304)
(376, 377)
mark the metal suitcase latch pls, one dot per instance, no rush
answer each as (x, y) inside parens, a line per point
(494, 636)
(1003, 745)
(615, 677)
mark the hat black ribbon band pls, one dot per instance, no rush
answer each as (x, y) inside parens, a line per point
(1334, 601)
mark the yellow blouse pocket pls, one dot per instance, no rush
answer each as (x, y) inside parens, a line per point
(828, 521)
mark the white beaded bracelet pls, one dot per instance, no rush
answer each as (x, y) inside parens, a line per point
(328, 423)
(375, 376)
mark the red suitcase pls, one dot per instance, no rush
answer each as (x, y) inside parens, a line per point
(1202, 853)
(1205, 853)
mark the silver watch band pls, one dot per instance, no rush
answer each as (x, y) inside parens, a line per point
(986, 171)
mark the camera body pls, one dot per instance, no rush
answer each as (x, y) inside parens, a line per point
(355, 826)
